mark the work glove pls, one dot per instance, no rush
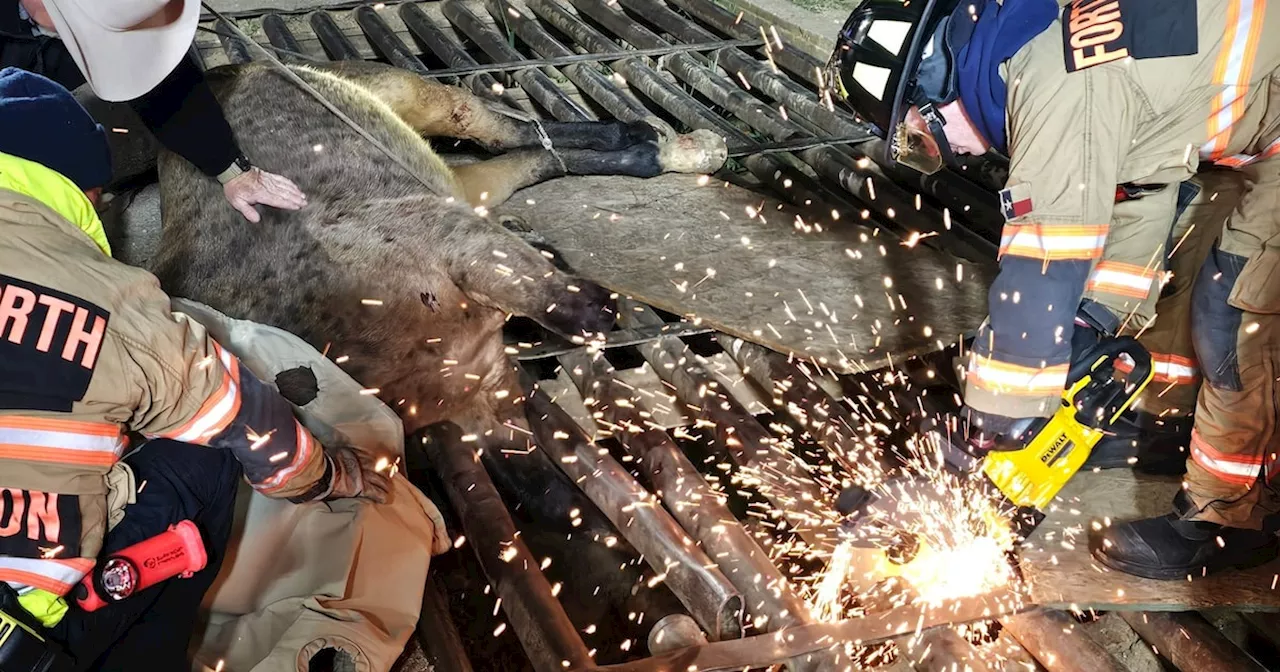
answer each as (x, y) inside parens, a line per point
(440, 541)
(256, 186)
(355, 474)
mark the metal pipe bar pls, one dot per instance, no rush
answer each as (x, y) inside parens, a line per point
(711, 599)
(1190, 642)
(535, 82)
(791, 387)
(615, 339)
(757, 74)
(1059, 643)
(710, 84)
(697, 507)
(237, 51)
(770, 600)
(728, 23)
(747, 108)
(572, 530)
(548, 636)
(621, 104)
(279, 35)
(786, 483)
(440, 640)
(385, 41)
(451, 53)
(945, 649)
(777, 648)
(786, 181)
(335, 43)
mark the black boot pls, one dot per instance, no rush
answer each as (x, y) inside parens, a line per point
(1144, 443)
(1169, 547)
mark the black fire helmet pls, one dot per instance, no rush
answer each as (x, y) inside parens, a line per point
(892, 54)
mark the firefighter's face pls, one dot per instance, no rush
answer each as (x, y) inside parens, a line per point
(961, 133)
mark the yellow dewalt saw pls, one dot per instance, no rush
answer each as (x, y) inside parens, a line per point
(1031, 468)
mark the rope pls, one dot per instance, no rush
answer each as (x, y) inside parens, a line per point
(800, 145)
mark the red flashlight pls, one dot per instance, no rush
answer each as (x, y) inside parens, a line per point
(179, 551)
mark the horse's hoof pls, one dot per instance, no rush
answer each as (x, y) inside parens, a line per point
(701, 151)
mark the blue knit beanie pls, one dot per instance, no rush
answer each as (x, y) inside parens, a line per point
(41, 121)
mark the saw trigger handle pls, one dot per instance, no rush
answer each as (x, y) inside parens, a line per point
(1096, 397)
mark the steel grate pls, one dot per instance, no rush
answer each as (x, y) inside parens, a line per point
(690, 64)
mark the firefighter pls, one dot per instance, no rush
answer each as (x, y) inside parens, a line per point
(92, 355)
(147, 64)
(1106, 110)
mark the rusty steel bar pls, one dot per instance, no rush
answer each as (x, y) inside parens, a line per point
(830, 422)
(784, 179)
(385, 41)
(746, 107)
(728, 23)
(1059, 643)
(787, 484)
(279, 35)
(771, 601)
(711, 599)
(945, 649)
(545, 631)
(777, 648)
(1190, 642)
(691, 501)
(621, 104)
(237, 51)
(335, 43)
(533, 80)
(440, 640)
(756, 74)
(451, 53)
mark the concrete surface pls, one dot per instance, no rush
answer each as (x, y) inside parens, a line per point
(809, 25)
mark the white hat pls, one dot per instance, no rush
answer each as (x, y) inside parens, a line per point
(125, 48)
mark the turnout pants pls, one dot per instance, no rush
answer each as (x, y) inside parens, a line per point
(1161, 318)
(151, 630)
(1236, 332)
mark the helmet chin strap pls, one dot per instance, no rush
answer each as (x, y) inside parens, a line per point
(934, 120)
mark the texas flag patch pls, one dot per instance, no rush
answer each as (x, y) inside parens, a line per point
(1016, 201)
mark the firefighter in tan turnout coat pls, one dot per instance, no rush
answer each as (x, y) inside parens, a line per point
(91, 355)
(1107, 109)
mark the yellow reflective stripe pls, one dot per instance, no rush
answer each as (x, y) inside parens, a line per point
(55, 191)
(1054, 241)
(1116, 277)
(1232, 72)
(44, 606)
(1171, 369)
(1242, 160)
(995, 376)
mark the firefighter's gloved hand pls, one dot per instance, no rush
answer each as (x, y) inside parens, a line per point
(355, 474)
(986, 427)
(258, 187)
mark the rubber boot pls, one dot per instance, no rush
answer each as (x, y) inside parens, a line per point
(1171, 547)
(1144, 443)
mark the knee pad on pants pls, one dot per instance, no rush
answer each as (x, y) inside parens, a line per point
(1215, 324)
